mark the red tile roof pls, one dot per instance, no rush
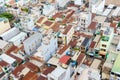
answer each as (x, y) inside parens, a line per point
(3, 63)
(42, 78)
(18, 69)
(56, 27)
(19, 60)
(57, 15)
(78, 34)
(80, 58)
(31, 66)
(92, 44)
(67, 29)
(40, 20)
(48, 23)
(73, 43)
(30, 76)
(114, 25)
(92, 26)
(63, 49)
(48, 70)
(64, 59)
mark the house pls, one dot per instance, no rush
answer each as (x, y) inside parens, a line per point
(97, 6)
(68, 34)
(61, 74)
(27, 22)
(3, 66)
(41, 20)
(42, 78)
(48, 10)
(53, 61)
(115, 72)
(95, 64)
(30, 76)
(85, 45)
(32, 43)
(62, 50)
(62, 3)
(18, 59)
(31, 66)
(80, 59)
(84, 19)
(48, 48)
(78, 2)
(105, 41)
(4, 46)
(90, 74)
(57, 74)
(19, 71)
(92, 27)
(47, 24)
(107, 66)
(48, 70)
(4, 25)
(9, 34)
(64, 61)
(8, 59)
(18, 39)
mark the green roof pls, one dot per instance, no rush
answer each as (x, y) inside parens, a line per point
(105, 38)
(116, 66)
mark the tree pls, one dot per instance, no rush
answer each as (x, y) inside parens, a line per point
(119, 24)
(7, 15)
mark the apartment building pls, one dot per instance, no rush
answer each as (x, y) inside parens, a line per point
(47, 49)
(107, 36)
(67, 34)
(4, 25)
(32, 43)
(84, 19)
(9, 34)
(97, 6)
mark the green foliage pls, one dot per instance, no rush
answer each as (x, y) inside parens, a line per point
(7, 15)
(25, 9)
(119, 24)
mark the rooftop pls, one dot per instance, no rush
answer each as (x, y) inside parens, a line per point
(116, 66)
(64, 59)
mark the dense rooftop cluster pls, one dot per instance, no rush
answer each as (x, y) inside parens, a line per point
(59, 40)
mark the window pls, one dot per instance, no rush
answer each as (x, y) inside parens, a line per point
(103, 45)
(103, 49)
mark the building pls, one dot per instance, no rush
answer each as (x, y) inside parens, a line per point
(78, 2)
(68, 34)
(32, 43)
(60, 74)
(85, 45)
(48, 10)
(18, 39)
(4, 25)
(47, 49)
(9, 60)
(9, 34)
(2, 6)
(84, 19)
(64, 61)
(4, 46)
(115, 72)
(97, 6)
(108, 65)
(62, 3)
(106, 39)
(27, 22)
